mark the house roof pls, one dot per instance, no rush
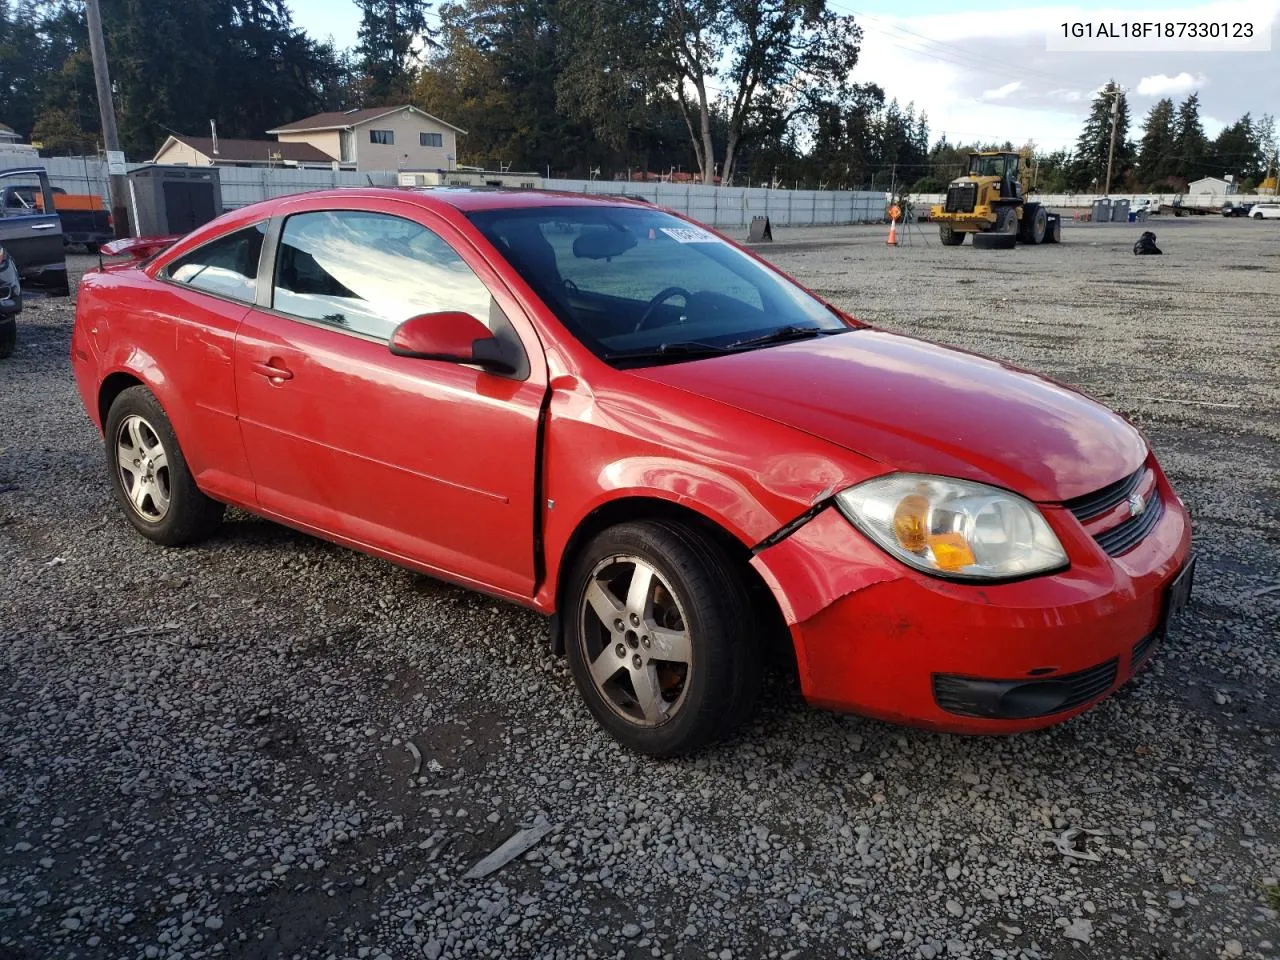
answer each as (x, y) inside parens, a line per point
(252, 151)
(346, 119)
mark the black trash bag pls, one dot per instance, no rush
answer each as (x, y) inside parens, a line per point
(1146, 245)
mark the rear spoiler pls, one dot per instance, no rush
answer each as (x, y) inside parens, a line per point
(139, 248)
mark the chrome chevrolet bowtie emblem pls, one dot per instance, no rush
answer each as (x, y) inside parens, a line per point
(1136, 504)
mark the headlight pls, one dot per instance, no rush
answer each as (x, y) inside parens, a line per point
(953, 528)
(4, 257)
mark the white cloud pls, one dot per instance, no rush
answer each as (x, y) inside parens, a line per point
(952, 65)
(1160, 85)
(999, 93)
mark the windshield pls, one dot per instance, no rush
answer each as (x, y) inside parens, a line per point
(986, 166)
(630, 282)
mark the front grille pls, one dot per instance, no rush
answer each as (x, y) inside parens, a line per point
(1100, 501)
(1125, 537)
(1142, 649)
(1126, 534)
(1022, 699)
(961, 197)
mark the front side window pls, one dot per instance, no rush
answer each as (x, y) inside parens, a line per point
(21, 195)
(386, 137)
(227, 267)
(629, 280)
(431, 139)
(369, 272)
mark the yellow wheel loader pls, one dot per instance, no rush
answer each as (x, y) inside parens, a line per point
(989, 203)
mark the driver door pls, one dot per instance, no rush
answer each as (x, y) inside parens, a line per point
(426, 462)
(30, 230)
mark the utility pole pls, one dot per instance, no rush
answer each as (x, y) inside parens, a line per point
(106, 109)
(1111, 150)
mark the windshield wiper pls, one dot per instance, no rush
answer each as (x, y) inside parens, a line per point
(781, 335)
(686, 349)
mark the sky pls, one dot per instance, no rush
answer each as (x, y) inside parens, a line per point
(980, 70)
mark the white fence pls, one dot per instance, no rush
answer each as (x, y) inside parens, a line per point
(717, 206)
(240, 185)
(1085, 200)
(735, 206)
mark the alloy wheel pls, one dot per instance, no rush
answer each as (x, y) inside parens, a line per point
(143, 466)
(636, 639)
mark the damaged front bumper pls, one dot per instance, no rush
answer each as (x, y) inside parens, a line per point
(874, 637)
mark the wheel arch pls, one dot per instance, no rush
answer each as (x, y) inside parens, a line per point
(111, 387)
(634, 507)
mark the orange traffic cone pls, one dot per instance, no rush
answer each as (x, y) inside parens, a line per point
(893, 233)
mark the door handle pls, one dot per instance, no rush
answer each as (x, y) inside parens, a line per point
(269, 370)
(44, 226)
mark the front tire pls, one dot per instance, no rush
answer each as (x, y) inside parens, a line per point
(8, 336)
(660, 637)
(150, 476)
(950, 237)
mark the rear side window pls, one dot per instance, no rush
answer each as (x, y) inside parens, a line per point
(369, 272)
(227, 267)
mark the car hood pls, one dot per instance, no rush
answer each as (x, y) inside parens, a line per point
(920, 407)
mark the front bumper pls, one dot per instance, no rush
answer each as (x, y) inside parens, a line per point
(10, 295)
(876, 638)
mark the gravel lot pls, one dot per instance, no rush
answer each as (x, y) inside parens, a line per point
(204, 752)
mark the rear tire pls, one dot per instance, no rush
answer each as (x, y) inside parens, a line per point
(670, 662)
(8, 337)
(949, 237)
(150, 476)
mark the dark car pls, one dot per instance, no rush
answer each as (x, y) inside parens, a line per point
(1230, 209)
(83, 217)
(10, 303)
(32, 233)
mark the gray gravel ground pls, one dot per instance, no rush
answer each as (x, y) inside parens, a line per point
(203, 752)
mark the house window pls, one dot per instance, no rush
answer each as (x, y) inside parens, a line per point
(385, 137)
(431, 139)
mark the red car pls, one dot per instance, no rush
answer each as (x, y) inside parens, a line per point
(617, 417)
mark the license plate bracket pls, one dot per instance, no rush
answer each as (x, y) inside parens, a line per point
(1178, 594)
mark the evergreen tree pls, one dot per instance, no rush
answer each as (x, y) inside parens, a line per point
(1190, 145)
(1236, 151)
(1157, 154)
(1094, 145)
(393, 37)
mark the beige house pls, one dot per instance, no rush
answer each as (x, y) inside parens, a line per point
(378, 138)
(222, 152)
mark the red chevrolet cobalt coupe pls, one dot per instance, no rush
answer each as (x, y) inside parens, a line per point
(615, 416)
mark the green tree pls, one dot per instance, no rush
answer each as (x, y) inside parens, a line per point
(1093, 148)
(1190, 145)
(1237, 151)
(1157, 152)
(743, 63)
(392, 39)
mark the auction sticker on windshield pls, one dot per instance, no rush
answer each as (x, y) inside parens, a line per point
(689, 235)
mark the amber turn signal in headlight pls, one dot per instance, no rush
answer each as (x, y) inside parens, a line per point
(954, 528)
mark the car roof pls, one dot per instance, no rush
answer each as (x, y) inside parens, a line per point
(467, 199)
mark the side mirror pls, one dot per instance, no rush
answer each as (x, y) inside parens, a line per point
(451, 336)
